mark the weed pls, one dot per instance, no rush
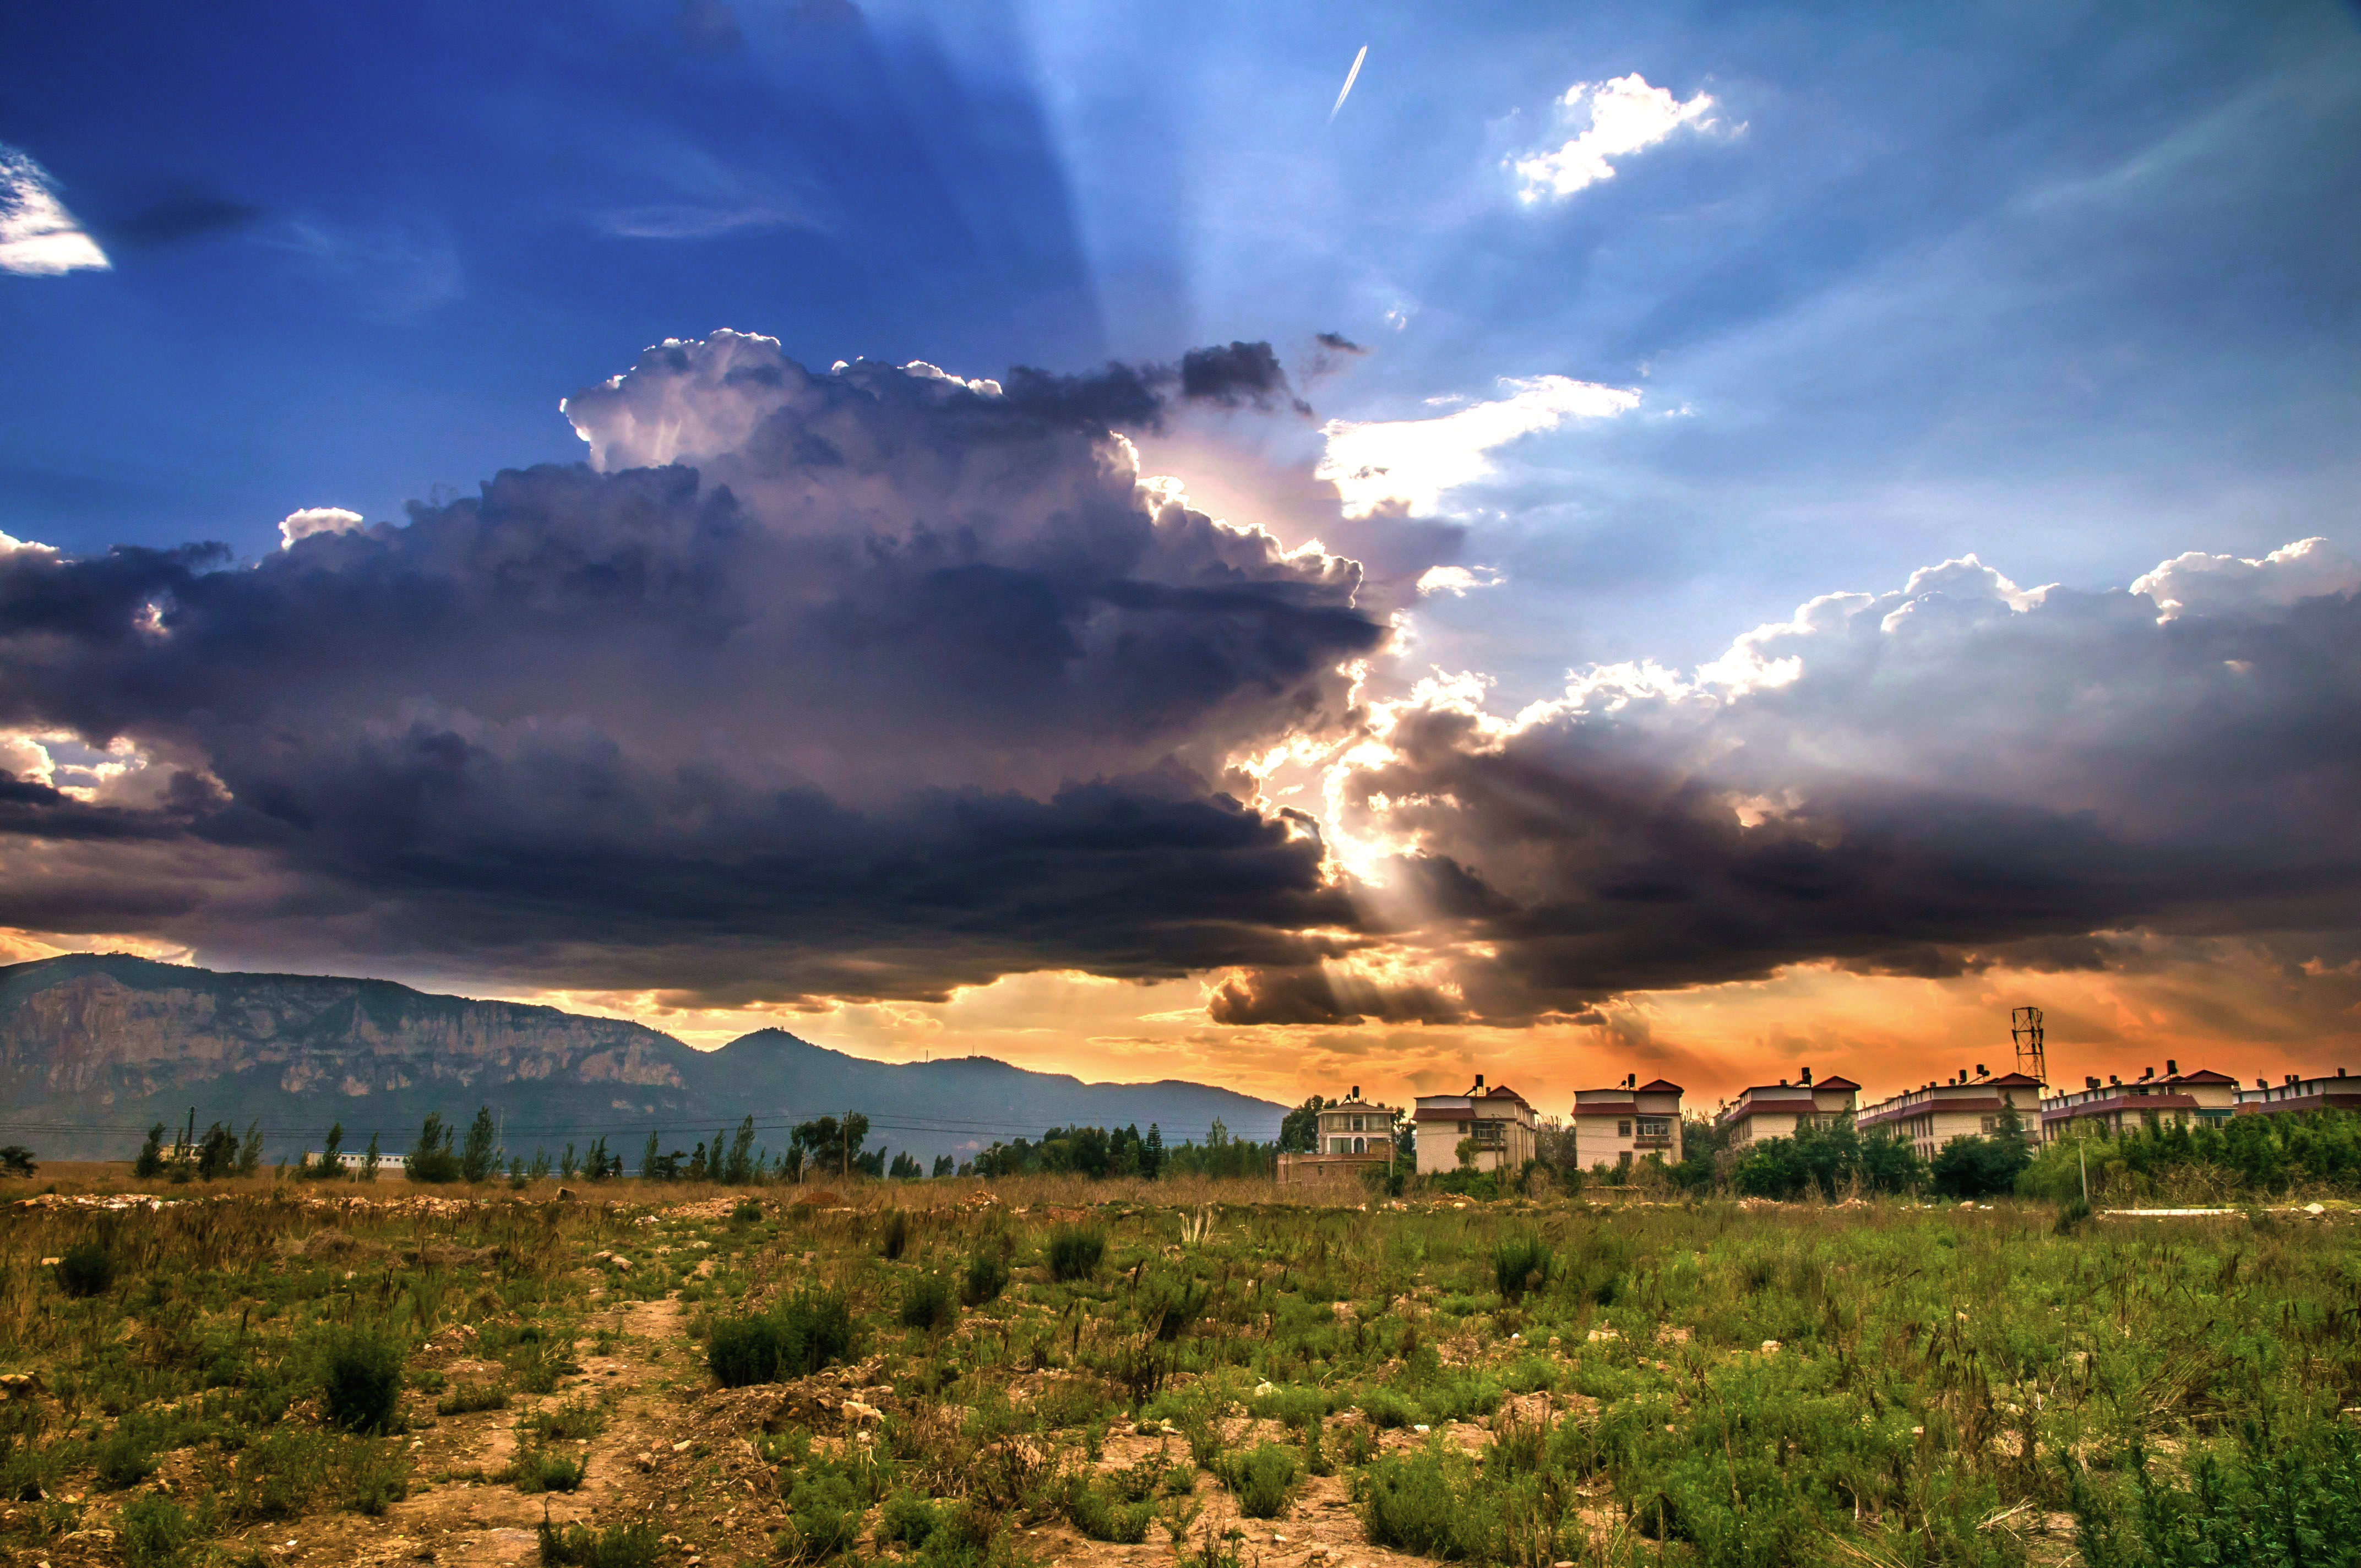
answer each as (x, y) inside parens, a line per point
(616, 1546)
(1262, 1477)
(468, 1398)
(568, 1422)
(927, 1302)
(538, 1470)
(1074, 1250)
(360, 1379)
(124, 1461)
(748, 1211)
(1407, 1503)
(985, 1278)
(795, 1338)
(85, 1269)
(908, 1519)
(895, 1239)
(824, 1516)
(1520, 1264)
(156, 1532)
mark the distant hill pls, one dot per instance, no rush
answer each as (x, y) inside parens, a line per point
(94, 1047)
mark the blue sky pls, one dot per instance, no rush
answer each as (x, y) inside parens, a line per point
(2070, 286)
(1609, 333)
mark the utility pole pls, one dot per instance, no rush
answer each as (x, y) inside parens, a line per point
(189, 1138)
(845, 1143)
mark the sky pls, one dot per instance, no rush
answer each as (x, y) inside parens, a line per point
(1700, 540)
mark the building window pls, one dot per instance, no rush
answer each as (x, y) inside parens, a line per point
(1623, 1128)
(1656, 1127)
(1992, 1125)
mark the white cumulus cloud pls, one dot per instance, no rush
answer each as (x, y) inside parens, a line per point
(38, 238)
(2197, 583)
(1625, 114)
(309, 520)
(1409, 462)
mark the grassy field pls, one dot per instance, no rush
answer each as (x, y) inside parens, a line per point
(958, 1375)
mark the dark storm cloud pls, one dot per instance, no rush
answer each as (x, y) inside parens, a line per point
(1917, 784)
(1239, 373)
(1339, 342)
(869, 682)
(1314, 993)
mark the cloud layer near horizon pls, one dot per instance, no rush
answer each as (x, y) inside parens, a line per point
(875, 683)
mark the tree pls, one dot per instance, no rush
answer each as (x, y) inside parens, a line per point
(371, 1160)
(249, 1153)
(216, 1154)
(696, 1171)
(15, 1159)
(431, 1158)
(597, 1164)
(738, 1170)
(540, 1165)
(791, 1163)
(481, 1156)
(905, 1168)
(652, 1160)
(1299, 1130)
(1151, 1153)
(332, 1158)
(833, 1148)
(945, 1165)
(566, 1164)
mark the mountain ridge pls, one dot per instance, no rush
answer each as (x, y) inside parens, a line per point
(94, 1045)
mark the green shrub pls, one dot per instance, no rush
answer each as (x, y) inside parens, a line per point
(908, 1519)
(1262, 1477)
(155, 1532)
(1101, 1515)
(824, 1515)
(895, 1240)
(748, 1211)
(277, 1477)
(1520, 1264)
(468, 1398)
(566, 1423)
(986, 1278)
(2072, 1215)
(1388, 1410)
(927, 1302)
(793, 1339)
(541, 1471)
(85, 1269)
(616, 1546)
(1075, 1250)
(1407, 1504)
(123, 1462)
(375, 1478)
(360, 1380)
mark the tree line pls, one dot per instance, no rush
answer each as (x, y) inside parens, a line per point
(818, 1149)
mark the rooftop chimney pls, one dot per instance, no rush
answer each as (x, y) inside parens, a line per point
(2262, 1083)
(2147, 1073)
(1356, 1092)
(1982, 1071)
(2340, 1073)
(1480, 1080)
(2291, 1078)
(1783, 1084)
(2171, 1067)
(2089, 1083)
(1807, 1078)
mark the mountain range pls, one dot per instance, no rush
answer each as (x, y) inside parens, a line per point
(95, 1048)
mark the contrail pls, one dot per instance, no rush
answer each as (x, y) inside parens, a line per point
(1350, 77)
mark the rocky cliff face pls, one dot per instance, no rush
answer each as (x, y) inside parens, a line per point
(103, 1029)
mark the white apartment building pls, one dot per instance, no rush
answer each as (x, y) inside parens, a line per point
(1932, 1114)
(1502, 1125)
(1776, 1109)
(2178, 1099)
(2296, 1092)
(1628, 1123)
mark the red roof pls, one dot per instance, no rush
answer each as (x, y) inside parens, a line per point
(1834, 1083)
(2012, 1079)
(1658, 1086)
(2202, 1075)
